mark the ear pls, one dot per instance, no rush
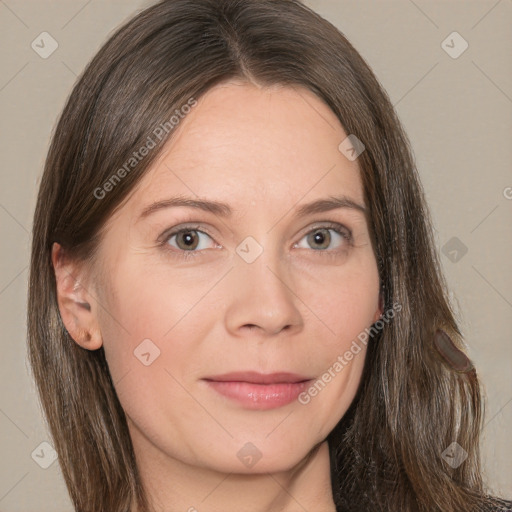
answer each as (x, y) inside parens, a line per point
(76, 305)
(380, 308)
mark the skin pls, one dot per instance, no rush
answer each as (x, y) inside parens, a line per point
(296, 308)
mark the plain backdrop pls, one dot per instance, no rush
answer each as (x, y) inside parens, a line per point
(456, 108)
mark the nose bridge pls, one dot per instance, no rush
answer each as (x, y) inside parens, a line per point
(262, 292)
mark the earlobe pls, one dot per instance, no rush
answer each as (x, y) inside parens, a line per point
(76, 304)
(380, 309)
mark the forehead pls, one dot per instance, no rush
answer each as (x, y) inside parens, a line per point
(243, 144)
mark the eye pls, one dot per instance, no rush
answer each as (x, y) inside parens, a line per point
(322, 238)
(189, 239)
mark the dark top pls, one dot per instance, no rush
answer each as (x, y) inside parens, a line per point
(498, 505)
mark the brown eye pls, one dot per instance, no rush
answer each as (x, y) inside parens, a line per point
(189, 240)
(324, 238)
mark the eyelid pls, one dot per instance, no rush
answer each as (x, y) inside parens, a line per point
(326, 224)
(186, 226)
(198, 226)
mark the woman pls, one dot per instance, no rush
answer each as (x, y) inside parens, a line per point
(235, 302)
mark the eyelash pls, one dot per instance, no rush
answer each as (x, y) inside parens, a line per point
(343, 231)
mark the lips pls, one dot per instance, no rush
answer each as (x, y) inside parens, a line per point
(260, 378)
(253, 390)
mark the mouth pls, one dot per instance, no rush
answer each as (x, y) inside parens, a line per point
(260, 378)
(253, 390)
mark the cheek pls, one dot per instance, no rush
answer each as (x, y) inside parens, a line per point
(343, 300)
(177, 311)
(152, 326)
(345, 306)
(149, 311)
(147, 302)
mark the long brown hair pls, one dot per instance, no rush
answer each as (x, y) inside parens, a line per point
(386, 452)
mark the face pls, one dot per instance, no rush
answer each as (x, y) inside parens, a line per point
(260, 284)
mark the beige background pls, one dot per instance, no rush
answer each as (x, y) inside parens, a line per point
(456, 111)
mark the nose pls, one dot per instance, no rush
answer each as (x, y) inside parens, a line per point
(262, 300)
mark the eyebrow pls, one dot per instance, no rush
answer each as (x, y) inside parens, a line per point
(224, 210)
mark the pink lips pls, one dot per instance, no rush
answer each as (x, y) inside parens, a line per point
(255, 390)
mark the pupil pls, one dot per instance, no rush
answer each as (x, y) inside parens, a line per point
(188, 238)
(321, 237)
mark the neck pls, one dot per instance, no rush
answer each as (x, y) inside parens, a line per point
(174, 486)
